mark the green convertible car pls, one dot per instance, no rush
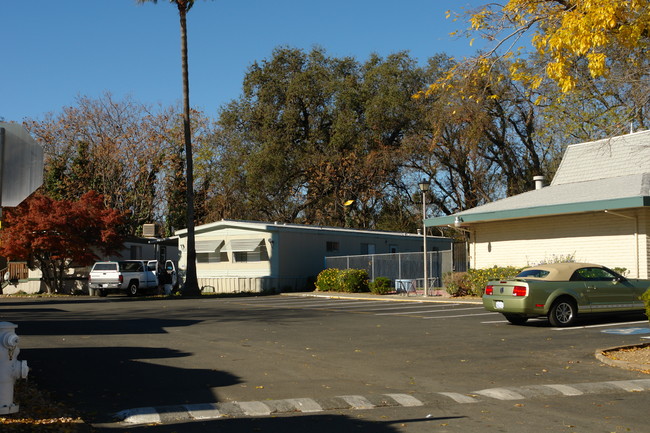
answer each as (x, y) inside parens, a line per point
(561, 291)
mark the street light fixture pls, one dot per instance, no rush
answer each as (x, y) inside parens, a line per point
(424, 187)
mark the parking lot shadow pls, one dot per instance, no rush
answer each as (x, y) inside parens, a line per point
(288, 424)
(95, 326)
(103, 380)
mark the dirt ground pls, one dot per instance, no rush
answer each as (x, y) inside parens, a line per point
(639, 355)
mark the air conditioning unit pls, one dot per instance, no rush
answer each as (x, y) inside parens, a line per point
(151, 230)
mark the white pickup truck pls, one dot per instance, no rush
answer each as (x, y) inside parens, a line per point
(130, 276)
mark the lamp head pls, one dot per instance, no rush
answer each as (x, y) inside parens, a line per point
(424, 185)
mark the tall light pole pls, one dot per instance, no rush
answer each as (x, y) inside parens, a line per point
(424, 187)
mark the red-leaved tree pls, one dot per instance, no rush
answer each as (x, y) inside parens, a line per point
(53, 235)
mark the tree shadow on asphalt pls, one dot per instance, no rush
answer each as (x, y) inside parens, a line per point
(287, 424)
(100, 381)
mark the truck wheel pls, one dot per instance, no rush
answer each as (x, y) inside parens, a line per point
(516, 319)
(563, 312)
(132, 290)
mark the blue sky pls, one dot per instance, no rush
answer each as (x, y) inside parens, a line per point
(53, 51)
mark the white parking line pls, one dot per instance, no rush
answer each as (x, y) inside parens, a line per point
(428, 311)
(303, 303)
(363, 305)
(602, 325)
(460, 315)
(401, 307)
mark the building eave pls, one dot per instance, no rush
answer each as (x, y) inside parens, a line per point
(469, 217)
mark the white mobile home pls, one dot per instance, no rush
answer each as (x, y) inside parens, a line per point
(241, 256)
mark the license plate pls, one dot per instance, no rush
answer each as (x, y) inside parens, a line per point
(105, 285)
(498, 305)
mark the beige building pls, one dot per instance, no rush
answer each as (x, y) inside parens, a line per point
(596, 209)
(242, 256)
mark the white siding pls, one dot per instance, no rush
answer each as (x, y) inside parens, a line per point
(230, 268)
(598, 237)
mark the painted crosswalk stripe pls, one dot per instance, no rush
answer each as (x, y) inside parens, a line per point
(500, 394)
(305, 405)
(565, 389)
(254, 408)
(357, 401)
(459, 398)
(405, 400)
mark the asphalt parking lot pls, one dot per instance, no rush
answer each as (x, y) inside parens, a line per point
(119, 355)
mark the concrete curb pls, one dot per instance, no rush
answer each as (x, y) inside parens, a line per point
(600, 355)
(207, 411)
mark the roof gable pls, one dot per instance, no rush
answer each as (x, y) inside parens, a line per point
(603, 159)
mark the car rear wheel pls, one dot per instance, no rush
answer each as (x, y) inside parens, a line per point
(516, 319)
(132, 290)
(563, 312)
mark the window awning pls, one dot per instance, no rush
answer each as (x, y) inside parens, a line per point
(208, 246)
(243, 245)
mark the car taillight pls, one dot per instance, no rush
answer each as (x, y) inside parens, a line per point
(121, 279)
(489, 290)
(519, 291)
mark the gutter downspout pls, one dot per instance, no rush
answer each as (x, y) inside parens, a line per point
(636, 237)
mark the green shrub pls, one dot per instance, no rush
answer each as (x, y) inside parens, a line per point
(473, 282)
(620, 271)
(328, 280)
(456, 283)
(478, 278)
(646, 299)
(354, 281)
(381, 286)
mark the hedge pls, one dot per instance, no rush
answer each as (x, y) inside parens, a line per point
(473, 282)
(348, 280)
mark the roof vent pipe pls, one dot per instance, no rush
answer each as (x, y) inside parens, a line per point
(539, 182)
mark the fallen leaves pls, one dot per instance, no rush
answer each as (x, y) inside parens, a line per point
(39, 413)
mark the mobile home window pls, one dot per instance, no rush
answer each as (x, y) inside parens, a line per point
(210, 251)
(331, 246)
(257, 254)
(213, 257)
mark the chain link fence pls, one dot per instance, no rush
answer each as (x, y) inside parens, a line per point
(404, 269)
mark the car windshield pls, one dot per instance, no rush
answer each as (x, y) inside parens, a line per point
(533, 273)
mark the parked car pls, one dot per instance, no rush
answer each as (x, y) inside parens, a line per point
(562, 291)
(130, 276)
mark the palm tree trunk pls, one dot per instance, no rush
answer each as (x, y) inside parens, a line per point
(191, 281)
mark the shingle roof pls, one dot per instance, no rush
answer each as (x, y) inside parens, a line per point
(611, 157)
(605, 174)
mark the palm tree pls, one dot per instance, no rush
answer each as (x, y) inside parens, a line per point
(191, 281)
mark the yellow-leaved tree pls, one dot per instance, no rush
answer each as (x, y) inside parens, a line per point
(565, 31)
